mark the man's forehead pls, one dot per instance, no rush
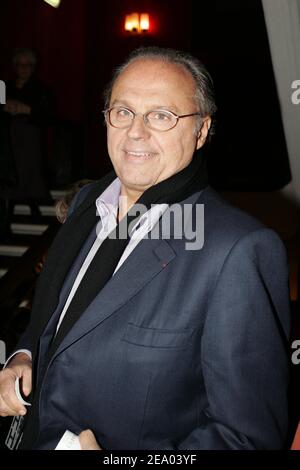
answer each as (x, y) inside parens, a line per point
(151, 66)
(153, 80)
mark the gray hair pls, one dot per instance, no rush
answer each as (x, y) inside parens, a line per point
(204, 96)
(24, 52)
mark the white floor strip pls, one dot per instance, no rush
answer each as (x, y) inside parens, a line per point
(29, 229)
(2, 272)
(58, 193)
(47, 210)
(23, 209)
(12, 250)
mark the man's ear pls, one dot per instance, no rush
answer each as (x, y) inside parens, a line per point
(203, 132)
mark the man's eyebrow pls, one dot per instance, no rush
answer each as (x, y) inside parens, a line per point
(152, 107)
(120, 103)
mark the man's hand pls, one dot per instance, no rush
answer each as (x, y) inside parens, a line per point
(20, 366)
(10, 106)
(22, 108)
(88, 441)
(16, 107)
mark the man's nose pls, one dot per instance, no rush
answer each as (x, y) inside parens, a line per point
(138, 129)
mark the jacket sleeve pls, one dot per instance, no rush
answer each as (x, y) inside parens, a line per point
(244, 350)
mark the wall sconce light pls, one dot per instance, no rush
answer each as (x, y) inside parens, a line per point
(53, 3)
(137, 23)
(144, 22)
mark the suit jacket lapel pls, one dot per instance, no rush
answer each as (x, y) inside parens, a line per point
(145, 262)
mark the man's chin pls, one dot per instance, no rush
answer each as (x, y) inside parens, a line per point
(136, 183)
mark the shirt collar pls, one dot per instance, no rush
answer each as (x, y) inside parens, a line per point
(107, 203)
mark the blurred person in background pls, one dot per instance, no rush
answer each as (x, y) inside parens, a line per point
(28, 109)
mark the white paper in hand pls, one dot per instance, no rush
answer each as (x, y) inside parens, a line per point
(18, 393)
(69, 441)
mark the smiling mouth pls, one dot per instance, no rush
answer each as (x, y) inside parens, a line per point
(139, 154)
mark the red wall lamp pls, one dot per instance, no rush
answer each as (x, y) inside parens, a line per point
(137, 23)
(53, 3)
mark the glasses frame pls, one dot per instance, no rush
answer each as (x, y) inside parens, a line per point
(107, 113)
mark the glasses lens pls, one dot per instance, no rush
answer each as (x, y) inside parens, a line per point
(120, 117)
(161, 120)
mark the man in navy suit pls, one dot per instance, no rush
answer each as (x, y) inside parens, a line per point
(156, 339)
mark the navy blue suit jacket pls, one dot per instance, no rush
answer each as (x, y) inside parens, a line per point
(181, 349)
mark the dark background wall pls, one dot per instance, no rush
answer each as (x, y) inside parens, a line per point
(81, 42)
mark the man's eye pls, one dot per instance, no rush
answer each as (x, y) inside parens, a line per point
(123, 112)
(159, 116)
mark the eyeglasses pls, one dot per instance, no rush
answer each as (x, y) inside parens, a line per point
(157, 119)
